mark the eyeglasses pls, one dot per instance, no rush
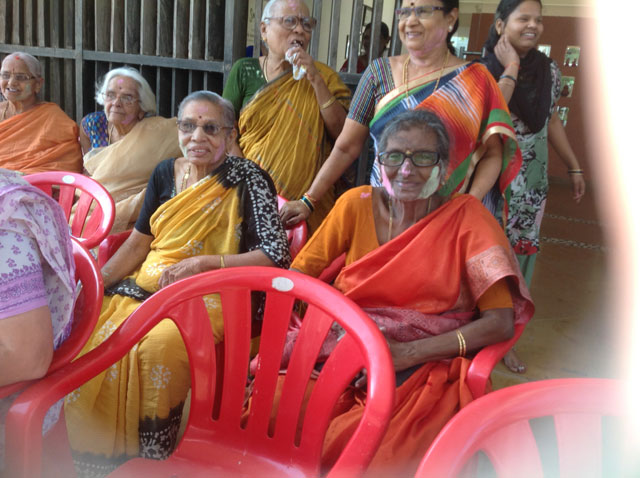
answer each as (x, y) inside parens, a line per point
(210, 129)
(419, 159)
(126, 100)
(291, 21)
(19, 77)
(424, 12)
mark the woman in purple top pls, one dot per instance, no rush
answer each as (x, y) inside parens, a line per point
(37, 284)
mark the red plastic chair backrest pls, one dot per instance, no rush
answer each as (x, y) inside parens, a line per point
(94, 209)
(362, 347)
(86, 313)
(297, 235)
(498, 425)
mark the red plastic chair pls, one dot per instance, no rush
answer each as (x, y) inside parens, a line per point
(498, 426)
(86, 312)
(91, 195)
(297, 235)
(222, 443)
(484, 361)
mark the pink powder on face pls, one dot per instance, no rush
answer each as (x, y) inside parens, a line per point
(386, 183)
(119, 81)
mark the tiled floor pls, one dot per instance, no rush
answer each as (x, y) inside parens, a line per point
(570, 333)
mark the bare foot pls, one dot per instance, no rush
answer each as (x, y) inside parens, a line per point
(513, 362)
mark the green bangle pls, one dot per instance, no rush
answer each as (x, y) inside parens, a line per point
(509, 77)
(307, 203)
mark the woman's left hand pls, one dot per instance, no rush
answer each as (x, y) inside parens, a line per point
(180, 270)
(303, 58)
(402, 354)
(579, 186)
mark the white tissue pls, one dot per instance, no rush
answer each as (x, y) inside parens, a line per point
(298, 71)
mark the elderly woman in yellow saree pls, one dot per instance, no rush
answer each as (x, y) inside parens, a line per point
(203, 211)
(291, 107)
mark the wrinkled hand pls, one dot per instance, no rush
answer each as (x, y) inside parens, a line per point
(401, 354)
(292, 212)
(579, 186)
(505, 53)
(303, 58)
(180, 270)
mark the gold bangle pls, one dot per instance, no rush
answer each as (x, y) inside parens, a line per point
(328, 103)
(222, 261)
(310, 198)
(462, 344)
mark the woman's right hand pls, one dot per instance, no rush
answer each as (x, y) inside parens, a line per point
(505, 53)
(292, 212)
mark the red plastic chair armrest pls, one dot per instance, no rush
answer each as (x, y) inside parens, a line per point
(485, 360)
(110, 245)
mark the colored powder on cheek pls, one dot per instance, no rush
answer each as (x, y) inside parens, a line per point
(386, 183)
(432, 184)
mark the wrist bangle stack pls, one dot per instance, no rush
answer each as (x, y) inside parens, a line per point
(328, 103)
(306, 200)
(222, 266)
(509, 77)
(462, 344)
(575, 171)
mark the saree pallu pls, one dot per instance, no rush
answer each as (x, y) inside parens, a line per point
(471, 106)
(468, 253)
(282, 130)
(42, 138)
(124, 167)
(135, 407)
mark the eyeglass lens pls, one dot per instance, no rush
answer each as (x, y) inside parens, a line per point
(210, 129)
(419, 158)
(422, 12)
(17, 76)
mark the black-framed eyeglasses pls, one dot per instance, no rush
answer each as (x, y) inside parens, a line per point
(290, 22)
(420, 159)
(423, 12)
(127, 100)
(210, 129)
(19, 77)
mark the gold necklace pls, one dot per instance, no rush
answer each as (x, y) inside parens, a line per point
(405, 73)
(185, 177)
(391, 215)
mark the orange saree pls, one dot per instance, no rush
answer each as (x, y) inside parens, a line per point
(43, 138)
(425, 282)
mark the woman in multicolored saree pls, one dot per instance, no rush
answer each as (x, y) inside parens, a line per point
(464, 95)
(203, 211)
(436, 273)
(286, 124)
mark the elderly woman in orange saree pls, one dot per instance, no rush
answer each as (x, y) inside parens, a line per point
(35, 136)
(434, 271)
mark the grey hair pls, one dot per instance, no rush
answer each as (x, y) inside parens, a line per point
(228, 113)
(267, 11)
(424, 120)
(146, 94)
(33, 64)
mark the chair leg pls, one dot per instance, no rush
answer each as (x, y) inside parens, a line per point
(57, 461)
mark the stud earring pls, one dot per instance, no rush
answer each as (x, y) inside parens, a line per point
(450, 27)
